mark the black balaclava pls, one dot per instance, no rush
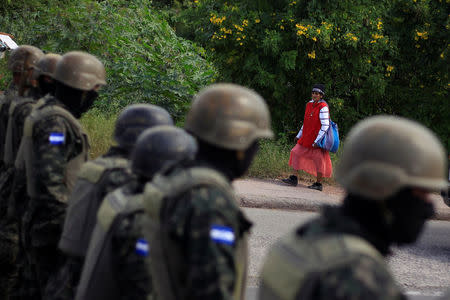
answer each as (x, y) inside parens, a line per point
(226, 160)
(396, 220)
(409, 214)
(77, 101)
(46, 86)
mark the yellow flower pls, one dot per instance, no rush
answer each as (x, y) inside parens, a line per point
(281, 26)
(245, 22)
(238, 27)
(238, 39)
(389, 68)
(369, 61)
(423, 35)
(442, 55)
(373, 41)
(379, 25)
(257, 21)
(314, 39)
(318, 31)
(312, 55)
(300, 32)
(195, 1)
(301, 27)
(387, 74)
(241, 44)
(292, 3)
(417, 46)
(377, 36)
(354, 38)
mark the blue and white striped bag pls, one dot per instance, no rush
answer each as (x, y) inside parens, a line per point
(330, 140)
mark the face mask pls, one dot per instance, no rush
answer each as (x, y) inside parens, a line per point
(77, 101)
(45, 86)
(409, 214)
(243, 164)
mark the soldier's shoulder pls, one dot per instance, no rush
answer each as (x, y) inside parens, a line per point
(212, 197)
(363, 277)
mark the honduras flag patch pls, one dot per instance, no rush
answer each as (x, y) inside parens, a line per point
(57, 138)
(222, 234)
(142, 247)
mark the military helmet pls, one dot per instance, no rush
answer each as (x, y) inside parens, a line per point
(134, 119)
(229, 116)
(46, 65)
(384, 154)
(160, 148)
(23, 58)
(80, 70)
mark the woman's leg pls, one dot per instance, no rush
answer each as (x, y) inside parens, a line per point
(319, 177)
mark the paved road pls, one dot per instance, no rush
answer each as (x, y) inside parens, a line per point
(422, 270)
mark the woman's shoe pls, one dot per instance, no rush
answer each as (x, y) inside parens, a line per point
(316, 186)
(291, 180)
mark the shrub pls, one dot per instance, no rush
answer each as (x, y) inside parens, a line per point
(375, 57)
(144, 59)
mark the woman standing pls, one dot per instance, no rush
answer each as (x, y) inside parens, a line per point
(306, 155)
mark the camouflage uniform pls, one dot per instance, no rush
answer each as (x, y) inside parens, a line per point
(63, 284)
(49, 185)
(8, 232)
(133, 279)
(360, 277)
(200, 231)
(208, 267)
(22, 60)
(115, 263)
(114, 269)
(96, 179)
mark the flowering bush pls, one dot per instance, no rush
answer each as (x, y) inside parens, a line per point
(359, 49)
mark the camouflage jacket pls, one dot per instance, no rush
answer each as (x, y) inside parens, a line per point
(364, 279)
(133, 278)
(209, 270)
(55, 142)
(5, 101)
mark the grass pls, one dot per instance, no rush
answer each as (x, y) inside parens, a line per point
(272, 159)
(100, 128)
(271, 162)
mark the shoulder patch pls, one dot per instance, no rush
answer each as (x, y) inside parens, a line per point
(222, 234)
(56, 138)
(142, 247)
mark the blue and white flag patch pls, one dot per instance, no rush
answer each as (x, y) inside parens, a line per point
(56, 138)
(222, 234)
(142, 247)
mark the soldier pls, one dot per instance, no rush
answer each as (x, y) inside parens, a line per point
(21, 63)
(54, 147)
(115, 264)
(21, 108)
(388, 167)
(95, 180)
(197, 233)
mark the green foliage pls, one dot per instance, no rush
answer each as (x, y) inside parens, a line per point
(100, 128)
(364, 51)
(145, 60)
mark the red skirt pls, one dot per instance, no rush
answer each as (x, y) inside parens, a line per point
(311, 160)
